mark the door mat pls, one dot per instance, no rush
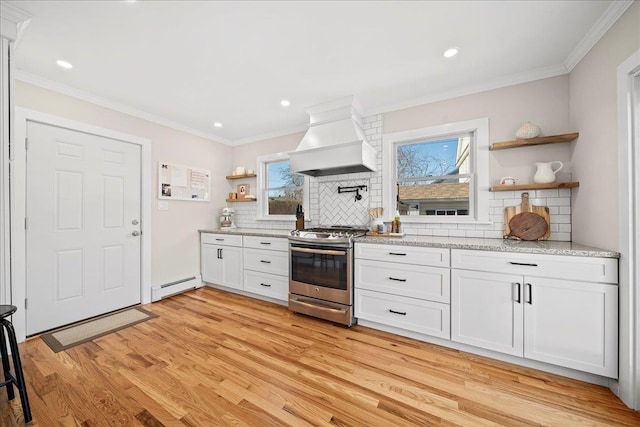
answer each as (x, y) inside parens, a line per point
(71, 336)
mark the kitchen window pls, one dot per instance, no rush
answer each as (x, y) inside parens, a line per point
(439, 173)
(281, 191)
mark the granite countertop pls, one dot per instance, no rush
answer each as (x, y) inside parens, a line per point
(539, 247)
(260, 232)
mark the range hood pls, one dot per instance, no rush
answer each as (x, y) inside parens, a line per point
(335, 142)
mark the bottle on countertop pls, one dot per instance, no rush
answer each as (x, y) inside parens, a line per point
(396, 223)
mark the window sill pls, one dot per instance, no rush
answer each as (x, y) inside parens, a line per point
(438, 220)
(276, 218)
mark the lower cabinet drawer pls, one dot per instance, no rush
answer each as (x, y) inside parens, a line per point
(270, 285)
(274, 262)
(414, 281)
(425, 317)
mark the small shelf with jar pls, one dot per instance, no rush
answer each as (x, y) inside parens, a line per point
(251, 199)
(533, 186)
(540, 140)
(251, 175)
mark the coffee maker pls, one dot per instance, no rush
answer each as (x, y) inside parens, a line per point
(226, 220)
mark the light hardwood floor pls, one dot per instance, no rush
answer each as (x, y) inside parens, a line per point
(213, 358)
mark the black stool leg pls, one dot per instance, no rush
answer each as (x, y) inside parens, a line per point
(17, 367)
(6, 368)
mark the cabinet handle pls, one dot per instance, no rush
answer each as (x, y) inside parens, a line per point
(266, 285)
(219, 240)
(402, 313)
(397, 253)
(528, 293)
(220, 253)
(265, 243)
(516, 286)
(527, 264)
(266, 262)
(397, 280)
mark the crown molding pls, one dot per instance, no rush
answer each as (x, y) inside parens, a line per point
(14, 20)
(599, 29)
(514, 79)
(121, 108)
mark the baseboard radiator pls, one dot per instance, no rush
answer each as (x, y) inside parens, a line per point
(168, 289)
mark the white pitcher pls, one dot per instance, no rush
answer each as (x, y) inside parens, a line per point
(545, 174)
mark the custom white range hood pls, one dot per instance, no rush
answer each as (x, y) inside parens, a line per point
(335, 142)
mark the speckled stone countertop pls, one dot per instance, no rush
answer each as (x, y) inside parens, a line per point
(260, 232)
(498, 245)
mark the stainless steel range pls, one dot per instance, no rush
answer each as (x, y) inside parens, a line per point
(321, 272)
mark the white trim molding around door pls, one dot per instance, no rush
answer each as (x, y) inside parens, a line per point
(18, 204)
(628, 387)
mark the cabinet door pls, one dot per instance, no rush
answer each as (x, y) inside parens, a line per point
(572, 324)
(486, 310)
(231, 267)
(211, 265)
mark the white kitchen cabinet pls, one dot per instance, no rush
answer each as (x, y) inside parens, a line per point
(405, 287)
(221, 260)
(266, 266)
(485, 312)
(571, 323)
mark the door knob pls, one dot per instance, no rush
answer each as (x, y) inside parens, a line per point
(135, 233)
(135, 222)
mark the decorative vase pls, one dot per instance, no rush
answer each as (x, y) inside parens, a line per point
(528, 130)
(545, 173)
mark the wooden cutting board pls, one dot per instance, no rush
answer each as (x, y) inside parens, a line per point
(527, 221)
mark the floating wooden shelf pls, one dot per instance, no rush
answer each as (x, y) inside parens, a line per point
(241, 176)
(541, 140)
(241, 200)
(533, 186)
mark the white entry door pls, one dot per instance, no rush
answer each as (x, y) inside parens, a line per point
(83, 226)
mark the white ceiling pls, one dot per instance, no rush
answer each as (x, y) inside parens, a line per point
(190, 63)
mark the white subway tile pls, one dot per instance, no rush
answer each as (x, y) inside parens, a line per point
(561, 219)
(475, 233)
(560, 201)
(442, 233)
(561, 237)
(457, 233)
(496, 234)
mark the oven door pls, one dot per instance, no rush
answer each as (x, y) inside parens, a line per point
(322, 272)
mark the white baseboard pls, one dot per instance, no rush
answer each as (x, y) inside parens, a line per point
(162, 291)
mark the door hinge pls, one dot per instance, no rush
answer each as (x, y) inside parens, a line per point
(25, 223)
(25, 303)
(26, 143)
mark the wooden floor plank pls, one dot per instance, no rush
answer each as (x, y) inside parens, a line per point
(213, 358)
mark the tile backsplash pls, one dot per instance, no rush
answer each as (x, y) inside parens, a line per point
(327, 207)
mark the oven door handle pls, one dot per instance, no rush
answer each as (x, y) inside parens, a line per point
(317, 251)
(319, 307)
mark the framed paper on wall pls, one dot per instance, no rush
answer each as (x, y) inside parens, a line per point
(176, 182)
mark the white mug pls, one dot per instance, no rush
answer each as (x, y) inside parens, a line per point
(240, 170)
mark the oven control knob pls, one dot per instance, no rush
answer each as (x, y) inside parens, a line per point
(317, 289)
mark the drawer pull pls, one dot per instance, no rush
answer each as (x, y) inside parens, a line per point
(265, 262)
(528, 293)
(219, 240)
(397, 280)
(402, 313)
(397, 253)
(527, 264)
(266, 285)
(265, 243)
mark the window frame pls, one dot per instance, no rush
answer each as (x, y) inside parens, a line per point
(262, 213)
(479, 162)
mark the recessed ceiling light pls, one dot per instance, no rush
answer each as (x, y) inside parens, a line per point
(451, 52)
(285, 103)
(217, 124)
(64, 64)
